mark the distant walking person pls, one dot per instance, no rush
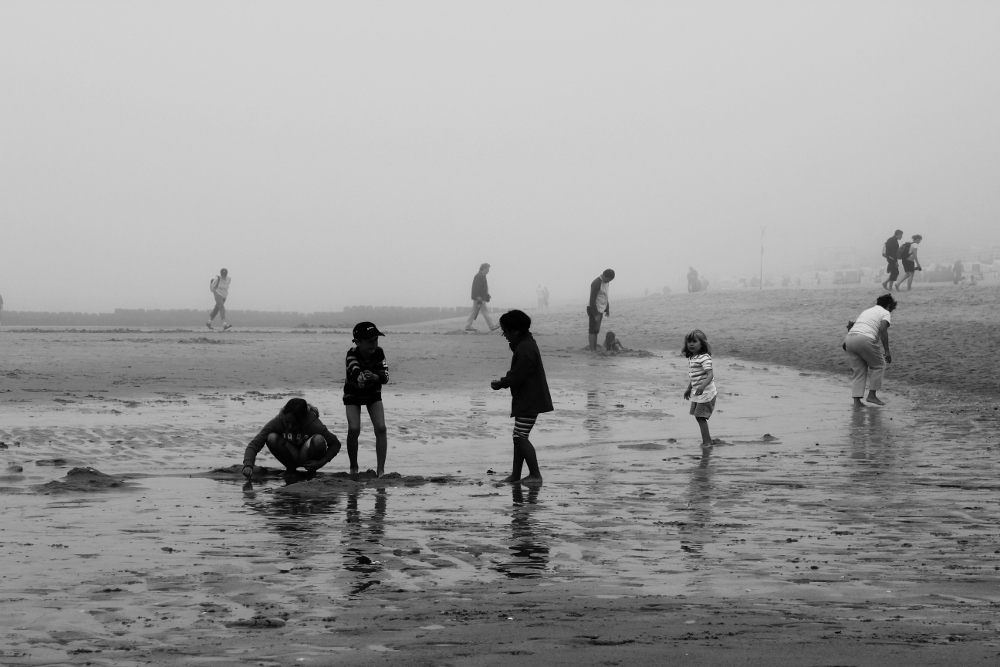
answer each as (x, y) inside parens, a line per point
(599, 305)
(480, 297)
(219, 286)
(862, 347)
(889, 250)
(908, 256)
(1, 309)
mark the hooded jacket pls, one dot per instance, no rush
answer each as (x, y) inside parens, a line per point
(529, 390)
(312, 426)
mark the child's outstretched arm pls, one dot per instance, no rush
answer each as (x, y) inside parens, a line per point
(687, 392)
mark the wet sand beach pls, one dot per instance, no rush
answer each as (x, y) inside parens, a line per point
(814, 534)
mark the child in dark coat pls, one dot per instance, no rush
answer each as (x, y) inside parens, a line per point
(529, 392)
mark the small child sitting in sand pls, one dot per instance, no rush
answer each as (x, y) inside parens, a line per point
(367, 371)
(701, 382)
(612, 343)
(529, 392)
(296, 437)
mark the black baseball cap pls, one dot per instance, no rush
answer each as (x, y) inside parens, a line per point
(366, 330)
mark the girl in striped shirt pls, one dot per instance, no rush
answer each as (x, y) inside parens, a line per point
(701, 386)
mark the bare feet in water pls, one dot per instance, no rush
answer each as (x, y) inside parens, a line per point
(872, 398)
(510, 479)
(532, 480)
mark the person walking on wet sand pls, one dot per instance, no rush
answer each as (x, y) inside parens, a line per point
(367, 371)
(296, 437)
(598, 306)
(480, 297)
(911, 263)
(529, 392)
(219, 286)
(701, 389)
(889, 250)
(862, 347)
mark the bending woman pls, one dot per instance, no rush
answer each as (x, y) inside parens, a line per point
(296, 437)
(862, 346)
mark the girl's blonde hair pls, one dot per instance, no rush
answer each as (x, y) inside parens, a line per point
(699, 336)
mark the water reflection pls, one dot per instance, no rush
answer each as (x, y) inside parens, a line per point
(529, 555)
(362, 539)
(477, 412)
(695, 533)
(301, 523)
(593, 421)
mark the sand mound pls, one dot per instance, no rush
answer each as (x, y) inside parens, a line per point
(83, 480)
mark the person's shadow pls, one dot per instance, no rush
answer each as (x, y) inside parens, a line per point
(529, 554)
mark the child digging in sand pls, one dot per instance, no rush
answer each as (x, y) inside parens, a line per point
(296, 437)
(702, 381)
(367, 371)
(529, 392)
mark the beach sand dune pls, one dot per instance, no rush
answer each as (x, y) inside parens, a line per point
(814, 533)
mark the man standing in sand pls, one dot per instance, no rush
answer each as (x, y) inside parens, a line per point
(219, 286)
(599, 305)
(1, 308)
(480, 297)
(889, 251)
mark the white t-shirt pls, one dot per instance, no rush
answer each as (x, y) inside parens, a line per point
(601, 302)
(222, 288)
(698, 367)
(869, 321)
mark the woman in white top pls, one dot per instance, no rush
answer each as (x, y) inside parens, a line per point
(862, 346)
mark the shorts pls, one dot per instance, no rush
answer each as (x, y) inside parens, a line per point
(595, 321)
(703, 410)
(366, 401)
(908, 266)
(893, 269)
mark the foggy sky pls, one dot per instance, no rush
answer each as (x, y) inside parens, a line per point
(333, 154)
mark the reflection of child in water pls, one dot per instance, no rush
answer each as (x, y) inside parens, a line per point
(612, 343)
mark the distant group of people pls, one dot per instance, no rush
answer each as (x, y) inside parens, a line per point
(905, 254)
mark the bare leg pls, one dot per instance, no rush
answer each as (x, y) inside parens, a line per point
(706, 437)
(528, 453)
(515, 475)
(377, 413)
(593, 342)
(353, 431)
(276, 445)
(872, 398)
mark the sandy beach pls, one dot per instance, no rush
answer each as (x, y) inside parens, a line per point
(814, 534)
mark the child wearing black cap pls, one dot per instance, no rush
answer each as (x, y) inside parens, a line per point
(367, 371)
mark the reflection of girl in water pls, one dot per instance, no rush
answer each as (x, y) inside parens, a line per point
(296, 437)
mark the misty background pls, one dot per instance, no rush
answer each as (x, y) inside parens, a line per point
(332, 154)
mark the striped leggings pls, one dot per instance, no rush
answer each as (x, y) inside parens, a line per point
(523, 425)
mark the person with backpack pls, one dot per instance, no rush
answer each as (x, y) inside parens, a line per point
(889, 250)
(908, 256)
(219, 287)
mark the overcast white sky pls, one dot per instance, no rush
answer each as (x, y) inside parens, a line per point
(342, 153)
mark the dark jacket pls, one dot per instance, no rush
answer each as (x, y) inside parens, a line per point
(313, 426)
(376, 363)
(480, 289)
(891, 248)
(529, 391)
